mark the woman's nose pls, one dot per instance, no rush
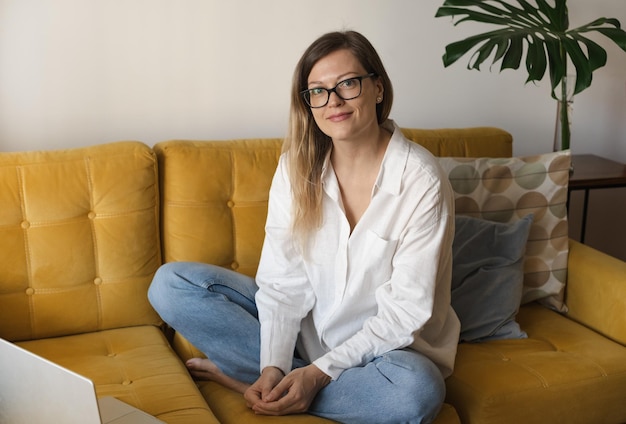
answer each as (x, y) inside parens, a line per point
(334, 99)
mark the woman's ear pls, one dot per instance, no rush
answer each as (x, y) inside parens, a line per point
(380, 89)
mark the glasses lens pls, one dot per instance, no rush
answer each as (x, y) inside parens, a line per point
(349, 89)
(316, 97)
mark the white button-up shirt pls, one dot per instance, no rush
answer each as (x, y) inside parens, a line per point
(354, 296)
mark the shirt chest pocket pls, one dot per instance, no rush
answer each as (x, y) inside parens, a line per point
(373, 262)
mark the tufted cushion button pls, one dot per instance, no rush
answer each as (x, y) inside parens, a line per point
(234, 265)
(97, 281)
(126, 383)
(30, 291)
(230, 204)
(91, 215)
(112, 355)
(25, 224)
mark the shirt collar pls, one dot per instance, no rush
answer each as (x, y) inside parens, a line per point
(394, 162)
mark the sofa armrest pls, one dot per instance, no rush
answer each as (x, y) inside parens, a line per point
(596, 291)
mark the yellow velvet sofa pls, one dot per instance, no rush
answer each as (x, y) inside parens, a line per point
(82, 232)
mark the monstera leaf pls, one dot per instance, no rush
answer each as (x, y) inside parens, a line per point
(540, 29)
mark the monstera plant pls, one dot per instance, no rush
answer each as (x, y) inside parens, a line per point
(540, 30)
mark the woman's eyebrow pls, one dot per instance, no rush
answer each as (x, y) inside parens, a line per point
(338, 79)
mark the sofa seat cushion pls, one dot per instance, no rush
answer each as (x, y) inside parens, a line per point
(135, 365)
(230, 408)
(563, 372)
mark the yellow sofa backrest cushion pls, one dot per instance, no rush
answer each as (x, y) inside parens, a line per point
(79, 240)
(477, 142)
(214, 200)
(214, 193)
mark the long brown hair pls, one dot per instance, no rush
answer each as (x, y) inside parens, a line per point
(306, 145)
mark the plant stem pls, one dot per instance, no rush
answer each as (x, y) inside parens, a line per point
(564, 104)
(564, 122)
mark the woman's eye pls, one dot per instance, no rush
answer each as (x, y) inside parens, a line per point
(349, 83)
(316, 91)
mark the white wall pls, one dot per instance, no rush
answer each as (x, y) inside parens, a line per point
(77, 72)
(81, 72)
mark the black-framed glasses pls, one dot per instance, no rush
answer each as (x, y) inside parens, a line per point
(347, 89)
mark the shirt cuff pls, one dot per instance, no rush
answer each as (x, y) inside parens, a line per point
(277, 348)
(325, 364)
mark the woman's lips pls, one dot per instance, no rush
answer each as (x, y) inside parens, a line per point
(338, 117)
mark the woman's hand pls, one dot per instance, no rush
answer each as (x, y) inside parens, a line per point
(260, 389)
(293, 394)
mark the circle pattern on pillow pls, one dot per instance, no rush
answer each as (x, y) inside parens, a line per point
(506, 190)
(497, 179)
(466, 178)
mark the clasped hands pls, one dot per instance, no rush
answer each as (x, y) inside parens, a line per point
(277, 394)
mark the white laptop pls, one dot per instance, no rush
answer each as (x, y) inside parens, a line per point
(34, 390)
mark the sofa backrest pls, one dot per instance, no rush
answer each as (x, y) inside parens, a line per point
(214, 193)
(79, 240)
(214, 200)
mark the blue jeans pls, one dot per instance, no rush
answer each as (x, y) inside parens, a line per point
(214, 309)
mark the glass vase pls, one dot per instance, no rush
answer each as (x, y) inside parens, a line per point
(563, 126)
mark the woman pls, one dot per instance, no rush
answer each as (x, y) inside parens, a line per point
(355, 270)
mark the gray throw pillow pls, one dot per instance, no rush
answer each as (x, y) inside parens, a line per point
(487, 277)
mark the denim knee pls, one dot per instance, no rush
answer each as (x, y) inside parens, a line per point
(423, 387)
(176, 284)
(160, 291)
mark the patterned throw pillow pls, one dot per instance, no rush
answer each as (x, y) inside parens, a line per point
(508, 189)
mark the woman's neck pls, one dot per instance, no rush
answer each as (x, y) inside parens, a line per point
(360, 153)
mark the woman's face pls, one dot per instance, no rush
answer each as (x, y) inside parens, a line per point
(345, 119)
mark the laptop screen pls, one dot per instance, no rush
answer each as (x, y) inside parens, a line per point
(35, 390)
